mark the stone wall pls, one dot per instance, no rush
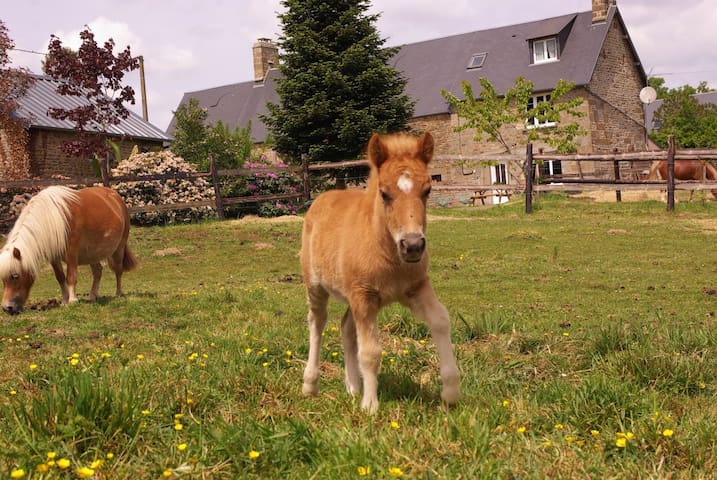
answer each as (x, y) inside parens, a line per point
(48, 159)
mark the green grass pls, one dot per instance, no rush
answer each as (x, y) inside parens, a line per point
(577, 328)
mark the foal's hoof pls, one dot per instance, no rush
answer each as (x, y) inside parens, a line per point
(310, 390)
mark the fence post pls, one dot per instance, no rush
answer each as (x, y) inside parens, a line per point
(671, 173)
(105, 170)
(529, 178)
(616, 169)
(217, 190)
(306, 180)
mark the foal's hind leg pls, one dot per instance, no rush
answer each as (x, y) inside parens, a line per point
(115, 265)
(318, 301)
(96, 277)
(352, 373)
(426, 307)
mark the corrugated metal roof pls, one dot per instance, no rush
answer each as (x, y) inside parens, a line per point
(43, 95)
(441, 64)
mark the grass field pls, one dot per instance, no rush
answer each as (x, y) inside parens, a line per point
(585, 333)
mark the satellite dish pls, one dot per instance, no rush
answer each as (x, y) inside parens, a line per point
(648, 95)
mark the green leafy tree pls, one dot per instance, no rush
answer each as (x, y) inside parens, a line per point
(658, 83)
(490, 113)
(337, 86)
(194, 140)
(693, 124)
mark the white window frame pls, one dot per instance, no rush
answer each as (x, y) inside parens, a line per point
(533, 122)
(545, 50)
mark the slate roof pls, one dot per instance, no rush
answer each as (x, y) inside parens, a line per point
(43, 94)
(441, 63)
(709, 97)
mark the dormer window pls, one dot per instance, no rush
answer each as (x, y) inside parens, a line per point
(545, 50)
(476, 61)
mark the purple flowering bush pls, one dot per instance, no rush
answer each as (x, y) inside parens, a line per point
(273, 181)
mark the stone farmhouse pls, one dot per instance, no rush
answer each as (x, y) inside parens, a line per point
(47, 135)
(591, 49)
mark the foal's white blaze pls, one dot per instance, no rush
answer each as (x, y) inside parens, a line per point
(405, 183)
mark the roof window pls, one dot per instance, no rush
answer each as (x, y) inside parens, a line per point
(545, 50)
(477, 60)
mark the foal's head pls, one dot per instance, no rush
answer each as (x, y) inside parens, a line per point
(16, 279)
(400, 165)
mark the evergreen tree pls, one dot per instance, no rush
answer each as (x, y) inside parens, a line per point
(337, 86)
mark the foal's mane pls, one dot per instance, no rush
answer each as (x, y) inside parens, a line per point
(40, 231)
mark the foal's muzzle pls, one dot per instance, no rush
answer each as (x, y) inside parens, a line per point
(412, 246)
(12, 308)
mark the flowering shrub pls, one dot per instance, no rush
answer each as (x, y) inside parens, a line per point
(263, 183)
(162, 192)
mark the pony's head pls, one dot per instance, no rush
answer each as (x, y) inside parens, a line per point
(17, 280)
(399, 163)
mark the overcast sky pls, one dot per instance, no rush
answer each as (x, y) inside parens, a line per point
(191, 45)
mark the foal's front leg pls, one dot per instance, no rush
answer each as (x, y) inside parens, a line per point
(369, 349)
(318, 301)
(352, 376)
(426, 307)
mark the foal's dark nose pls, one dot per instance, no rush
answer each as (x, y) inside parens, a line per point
(12, 309)
(412, 247)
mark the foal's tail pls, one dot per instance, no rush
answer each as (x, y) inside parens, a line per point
(129, 261)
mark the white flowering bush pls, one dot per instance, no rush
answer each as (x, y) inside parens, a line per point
(163, 192)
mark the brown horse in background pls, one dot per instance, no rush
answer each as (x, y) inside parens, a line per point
(368, 249)
(685, 170)
(63, 225)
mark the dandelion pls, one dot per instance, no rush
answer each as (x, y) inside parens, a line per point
(167, 473)
(667, 433)
(33, 366)
(51, 455)
(521, 429)
(106, 355)
(288, 353)
(363, 471)
(193, 357)
(547, 443)
(13, 392)
(74, 361)
(85, 472)
(96, 464)
(182, 447)
(566, 334)
(253, 455)
(178, 426)
(247, 350)
(140, 356)
(145, 412)
(265, 364)
(570, 439)
(558, 426)
(395, 425)
(63, 463)
(395, 472)
(506, 403)
(18, 473)
(42, 468)
(110, 456)
(621, 442)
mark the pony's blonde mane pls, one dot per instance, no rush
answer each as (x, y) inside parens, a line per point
(40, 232)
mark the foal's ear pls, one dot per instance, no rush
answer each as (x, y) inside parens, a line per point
(377, 151)
(425, 147)
(16, 254)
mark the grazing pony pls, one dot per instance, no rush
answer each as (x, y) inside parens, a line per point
(63, 225)
(368, 249)
(685, 170)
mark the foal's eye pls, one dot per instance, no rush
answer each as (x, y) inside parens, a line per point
(386, 197)
(15, 277)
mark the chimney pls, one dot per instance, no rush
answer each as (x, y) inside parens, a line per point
(266, 57)
(600, 9)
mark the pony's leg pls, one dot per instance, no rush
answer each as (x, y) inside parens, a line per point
(352, 377)
(96, 276)
(116, 266)
(369, 350)
(426, 307)
(61, 279)
(318, 301)
(71, 281)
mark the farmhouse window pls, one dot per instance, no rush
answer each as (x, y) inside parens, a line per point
(534, 121)
(551, 168)
(476, 61)
(545, 50)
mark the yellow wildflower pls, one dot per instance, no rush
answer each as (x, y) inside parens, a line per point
(42, 468)
(395, 472)
(18, 473)
(594, 433)
(63, 463)
(96, 464)
(253, 455)
(33, 366)
(167, 473)
(667, 432)
(51, 455)
(621, 442)
(182, 447)
(395, 425)
(85, 472)
(363, 471)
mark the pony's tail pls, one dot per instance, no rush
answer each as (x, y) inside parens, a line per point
(653, 171)
(129, 262)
